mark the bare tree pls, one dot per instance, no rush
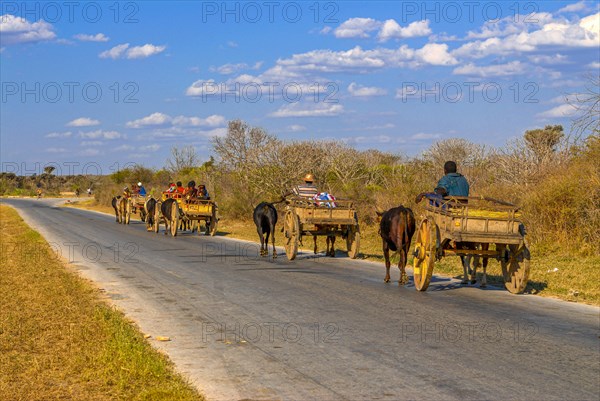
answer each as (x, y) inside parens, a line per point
(182, 159)
(587, 105)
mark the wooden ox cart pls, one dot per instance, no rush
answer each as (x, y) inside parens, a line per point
(192, 211)
(483, 224)
(305, 217)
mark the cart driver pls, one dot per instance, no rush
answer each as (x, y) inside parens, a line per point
(203, 192)
(307, 190)
(191, 191)
(141, 189)
(451, 184)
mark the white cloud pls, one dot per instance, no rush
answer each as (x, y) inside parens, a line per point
(67, 134)
(546, 59)
(550, 34)
(356, 28)
(571, 8)
(594, 65)
(562, 111)
(123, 148)
(365, 91)
(154, 119)
(436, 54)
(232, 44)
(162, 120)
(83, 122)
(89, 152)
(495, 70)
(18, 30)
(422, 136)
(144, 51)
(100, 134)
(309, 110)
(124, 51)
(296, 128)
(99, 37)
(150, 148)
(227, 69)
(90, 143)
(391, 29)
(114, 52)
(56, 150)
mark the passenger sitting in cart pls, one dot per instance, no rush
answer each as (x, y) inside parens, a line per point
(191, 192)
(134, 189)
(180, 188)
(171, 188)
(203, 192)
(451, 184)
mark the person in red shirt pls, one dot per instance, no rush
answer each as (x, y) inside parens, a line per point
(180, 188)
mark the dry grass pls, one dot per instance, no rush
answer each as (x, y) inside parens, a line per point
(577, 278)
(59, 340)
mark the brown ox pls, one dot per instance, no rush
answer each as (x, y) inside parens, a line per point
(329, 239)
(396, 228)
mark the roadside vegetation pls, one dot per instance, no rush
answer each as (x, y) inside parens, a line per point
(60, 340)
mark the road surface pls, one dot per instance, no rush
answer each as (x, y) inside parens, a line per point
(244, 327)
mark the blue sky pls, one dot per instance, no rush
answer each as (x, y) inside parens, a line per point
(117, 83)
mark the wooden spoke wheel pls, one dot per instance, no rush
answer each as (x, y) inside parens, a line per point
(174, 219)
(426, 247)
(353, 241)
(515, 267)
(128, 212)
(212, 228)
(291, 231)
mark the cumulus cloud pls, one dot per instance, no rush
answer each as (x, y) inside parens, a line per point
(229, 68)
(144, 51)
(365, 91)
(16, 30)
(391, 29)
(124, 51)
(67, 134)
(562, 111)
(83, 122)
(309, 110)
(114, 52)
(164, 120)
(550, 33)
(572, 8)
(356, 28)
(99, 37)
(100, 134)
(496, 70)
(436, 54)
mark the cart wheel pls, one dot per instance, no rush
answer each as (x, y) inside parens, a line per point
(353, 241)
(515, 267)
(426, 246)
(175, 219)
(291, 233)
(128, 212)
(213, 222)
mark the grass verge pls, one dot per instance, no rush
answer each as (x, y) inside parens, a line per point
(60, 340)
(568, 277)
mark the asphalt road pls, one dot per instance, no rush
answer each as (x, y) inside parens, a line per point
(245, 327)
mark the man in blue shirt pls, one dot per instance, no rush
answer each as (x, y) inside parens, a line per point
(141, 189)
(451, 184)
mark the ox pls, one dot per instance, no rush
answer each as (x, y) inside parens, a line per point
(265, 218)
(115, 205)
(150, 209)
(396, 228)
